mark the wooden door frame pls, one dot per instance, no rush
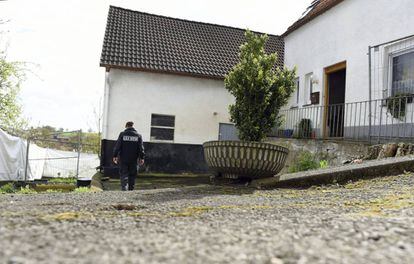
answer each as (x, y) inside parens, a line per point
(328, 70)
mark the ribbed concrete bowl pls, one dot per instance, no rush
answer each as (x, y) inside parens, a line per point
(239, 159)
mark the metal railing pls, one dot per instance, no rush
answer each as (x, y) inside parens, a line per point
(381, 120)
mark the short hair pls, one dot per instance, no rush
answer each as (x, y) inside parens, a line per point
(129, 124)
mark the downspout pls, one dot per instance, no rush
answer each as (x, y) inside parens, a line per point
(370, 94)
(106, 105)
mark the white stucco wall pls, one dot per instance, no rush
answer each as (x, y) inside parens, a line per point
(198, 104)
(343, 34)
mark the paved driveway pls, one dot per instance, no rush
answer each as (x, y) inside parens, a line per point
(362, 222)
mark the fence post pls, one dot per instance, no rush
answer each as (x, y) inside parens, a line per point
(26, 167)
(79, 152)
(370, 95)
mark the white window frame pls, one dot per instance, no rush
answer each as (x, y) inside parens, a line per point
(297, 99)
(308, 88)
(391, 57)
(162, 127)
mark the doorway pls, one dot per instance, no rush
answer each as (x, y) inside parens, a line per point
(335, 84)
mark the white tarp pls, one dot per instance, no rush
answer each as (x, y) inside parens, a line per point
(42, 162)
(12, 157)
(63, 164)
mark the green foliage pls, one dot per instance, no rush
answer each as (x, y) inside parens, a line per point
(82, 190)
(323, 164)
(11, 77)
(259, 88)
(7, 188)
(63, 180)
(397, 105)
(306, 161)
(26, 190)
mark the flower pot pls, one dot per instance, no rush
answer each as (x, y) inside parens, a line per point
(239, 159)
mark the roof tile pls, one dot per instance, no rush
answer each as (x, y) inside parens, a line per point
(150, 42)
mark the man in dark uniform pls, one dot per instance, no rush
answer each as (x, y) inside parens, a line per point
(128, 152)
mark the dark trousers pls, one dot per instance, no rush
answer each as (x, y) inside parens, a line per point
(128, 172)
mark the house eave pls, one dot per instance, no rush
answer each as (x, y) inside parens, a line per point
(140, 69)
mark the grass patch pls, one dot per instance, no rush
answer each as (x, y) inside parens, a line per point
(26, 190)
(191, 211)
(7, 188)
(382, 206)
(62, 180)
(82, 190)
(11, 188)
(66, 216)
(59, 187)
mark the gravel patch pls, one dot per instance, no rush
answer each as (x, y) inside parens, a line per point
(368, 221)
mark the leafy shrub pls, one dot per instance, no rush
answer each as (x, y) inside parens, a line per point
(306, 161)
(397, 105)
(259, 88)
(7, 188)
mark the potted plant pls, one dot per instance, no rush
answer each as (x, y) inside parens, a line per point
(260, 89)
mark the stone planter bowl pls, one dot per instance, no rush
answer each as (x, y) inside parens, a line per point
(239, 159)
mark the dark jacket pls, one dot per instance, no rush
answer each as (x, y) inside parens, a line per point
(129, 146)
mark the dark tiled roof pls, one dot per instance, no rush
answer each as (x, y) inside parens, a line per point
(147, 42)
(317, 8)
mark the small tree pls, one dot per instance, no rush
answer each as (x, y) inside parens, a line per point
(260, 89)
(11, 76)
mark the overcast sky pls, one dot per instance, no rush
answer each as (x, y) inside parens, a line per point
(62, 41)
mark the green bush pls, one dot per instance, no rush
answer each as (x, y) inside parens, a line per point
(7, 188)
(397, 105)
(306, 161)
(260, 89)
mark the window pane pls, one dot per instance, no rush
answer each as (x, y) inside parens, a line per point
(162, 120)
(162, 133)
(403, 74)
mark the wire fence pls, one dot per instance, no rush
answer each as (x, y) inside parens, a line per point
(59, 154)
(62, 154)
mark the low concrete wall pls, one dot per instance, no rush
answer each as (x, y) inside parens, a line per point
(366, 170)
(335, 152)
(160, 158)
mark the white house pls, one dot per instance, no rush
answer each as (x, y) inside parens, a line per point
(167, 75)
(352, 56)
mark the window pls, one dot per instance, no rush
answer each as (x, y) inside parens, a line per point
(297, 90)
(308, 88)
(402, 79)
(162, 127)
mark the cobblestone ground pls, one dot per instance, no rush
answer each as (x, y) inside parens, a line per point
(363, 222)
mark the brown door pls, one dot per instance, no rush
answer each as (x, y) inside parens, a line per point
(335, 100)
